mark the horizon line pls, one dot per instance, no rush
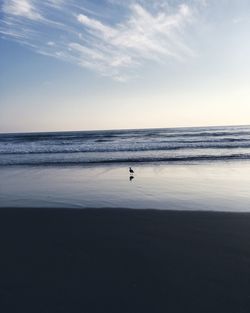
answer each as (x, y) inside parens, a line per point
(120, 129)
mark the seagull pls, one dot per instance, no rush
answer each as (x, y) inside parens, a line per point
(131, 171)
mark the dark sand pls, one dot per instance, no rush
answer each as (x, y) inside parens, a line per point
(129, 261)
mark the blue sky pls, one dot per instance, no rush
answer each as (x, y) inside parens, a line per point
(75, 65)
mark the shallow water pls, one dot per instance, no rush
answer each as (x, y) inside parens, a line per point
(217, 186)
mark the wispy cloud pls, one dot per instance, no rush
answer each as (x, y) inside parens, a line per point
(65, 30)
(21, 8)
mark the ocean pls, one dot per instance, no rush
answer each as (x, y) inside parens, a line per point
(205, 168)
(126, 146)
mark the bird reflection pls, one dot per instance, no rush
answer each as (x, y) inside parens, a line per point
(131, 177)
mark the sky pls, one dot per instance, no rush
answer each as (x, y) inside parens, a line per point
(113, 64)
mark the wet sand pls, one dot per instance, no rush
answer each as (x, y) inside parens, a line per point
(124, 261)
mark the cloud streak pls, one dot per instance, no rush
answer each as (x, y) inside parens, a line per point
(21, 8)
(66, 31)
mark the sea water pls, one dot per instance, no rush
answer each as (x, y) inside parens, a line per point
(206, 168)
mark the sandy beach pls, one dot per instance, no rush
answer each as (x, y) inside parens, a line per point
(112, 260)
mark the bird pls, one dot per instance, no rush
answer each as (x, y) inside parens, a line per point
(131, 171)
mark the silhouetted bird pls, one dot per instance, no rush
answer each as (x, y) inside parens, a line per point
(131, 171)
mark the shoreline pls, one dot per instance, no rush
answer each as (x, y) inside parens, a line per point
(198, 187)
(124, 260)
